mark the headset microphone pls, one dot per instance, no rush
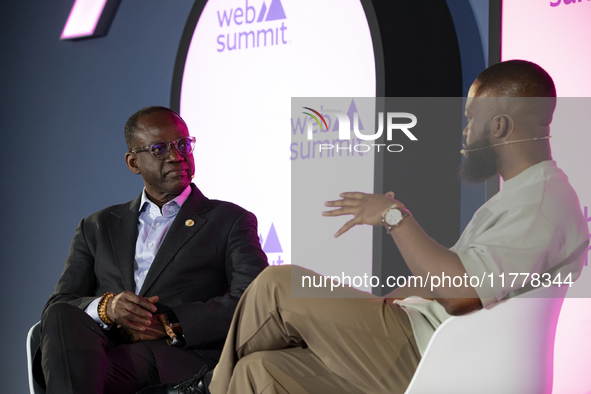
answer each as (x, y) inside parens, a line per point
(505, 142)
(463, 151)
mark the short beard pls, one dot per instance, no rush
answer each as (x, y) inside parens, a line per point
(479, 165)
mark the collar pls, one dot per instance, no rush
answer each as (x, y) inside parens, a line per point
(520, 178)
(171, 208)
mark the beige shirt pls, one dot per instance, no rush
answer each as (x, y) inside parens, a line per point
(533, 225)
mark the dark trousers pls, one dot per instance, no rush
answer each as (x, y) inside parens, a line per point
(77, 356)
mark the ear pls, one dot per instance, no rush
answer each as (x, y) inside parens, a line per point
(502, 126)
(131, 162)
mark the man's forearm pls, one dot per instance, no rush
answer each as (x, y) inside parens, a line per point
(421, 253)
(424, 256)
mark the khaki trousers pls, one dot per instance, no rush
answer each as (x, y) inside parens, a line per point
(280, 344)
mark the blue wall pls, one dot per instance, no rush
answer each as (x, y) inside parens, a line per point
(471, 23)
(62, 111)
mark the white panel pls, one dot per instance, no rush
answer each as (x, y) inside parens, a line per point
(237, 91)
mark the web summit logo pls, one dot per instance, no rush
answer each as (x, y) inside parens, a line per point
(246, 32)
(345, 130)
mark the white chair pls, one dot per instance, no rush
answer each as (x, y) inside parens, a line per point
(33, 340)
(507, 349)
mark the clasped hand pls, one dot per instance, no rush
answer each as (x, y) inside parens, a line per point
(365, 208)
(134, 314)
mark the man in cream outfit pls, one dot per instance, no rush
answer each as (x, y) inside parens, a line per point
(280, 344)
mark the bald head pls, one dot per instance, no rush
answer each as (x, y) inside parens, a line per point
(509, 110)
(131, 127)
(516, 78)
(527, 89)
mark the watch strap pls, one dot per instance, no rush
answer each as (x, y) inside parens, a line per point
(405, 213)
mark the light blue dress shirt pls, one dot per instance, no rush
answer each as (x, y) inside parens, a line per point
(153, 225)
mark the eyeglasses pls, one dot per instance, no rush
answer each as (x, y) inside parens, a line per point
(161, 150)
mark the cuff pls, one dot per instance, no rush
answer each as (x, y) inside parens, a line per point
(489, 295)
(92, 311)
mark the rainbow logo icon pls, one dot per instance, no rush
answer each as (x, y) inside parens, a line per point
(315, 118)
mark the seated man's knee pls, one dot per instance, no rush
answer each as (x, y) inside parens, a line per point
(62, 315)
(283, 273)
(275, 274)
(58, 311)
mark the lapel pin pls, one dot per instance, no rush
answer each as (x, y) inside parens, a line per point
(189, 223)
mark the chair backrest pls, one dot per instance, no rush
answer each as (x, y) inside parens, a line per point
(33, 340)
(507, 349)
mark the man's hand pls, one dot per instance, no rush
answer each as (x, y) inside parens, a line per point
(365, 208)
(153, 332)
(131, 311)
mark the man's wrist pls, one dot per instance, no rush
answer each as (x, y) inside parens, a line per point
(394, 216)
(102, 307)
(92, 311)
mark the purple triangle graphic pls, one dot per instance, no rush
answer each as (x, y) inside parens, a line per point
(261, 239)
(350, 112)
(262, 13)
(272, 244)
(275, 11)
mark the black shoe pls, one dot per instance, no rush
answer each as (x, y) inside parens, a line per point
(195, 385)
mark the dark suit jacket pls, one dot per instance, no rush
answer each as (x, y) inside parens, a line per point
(200, 271)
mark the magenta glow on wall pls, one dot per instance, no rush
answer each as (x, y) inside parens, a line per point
(557, 35)
(83, 19)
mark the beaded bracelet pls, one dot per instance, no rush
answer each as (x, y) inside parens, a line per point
(102, 307)
(173, 341)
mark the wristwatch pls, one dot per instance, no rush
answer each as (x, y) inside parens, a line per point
(393, 216)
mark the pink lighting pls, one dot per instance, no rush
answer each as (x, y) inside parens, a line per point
(83, 18)
(555, 34)
(557, 38)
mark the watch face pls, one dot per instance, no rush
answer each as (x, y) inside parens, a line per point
(393, 217)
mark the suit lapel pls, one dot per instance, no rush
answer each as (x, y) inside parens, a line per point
(178, 235)
(123, 233)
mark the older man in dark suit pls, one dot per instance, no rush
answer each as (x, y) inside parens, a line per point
(169, 258)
